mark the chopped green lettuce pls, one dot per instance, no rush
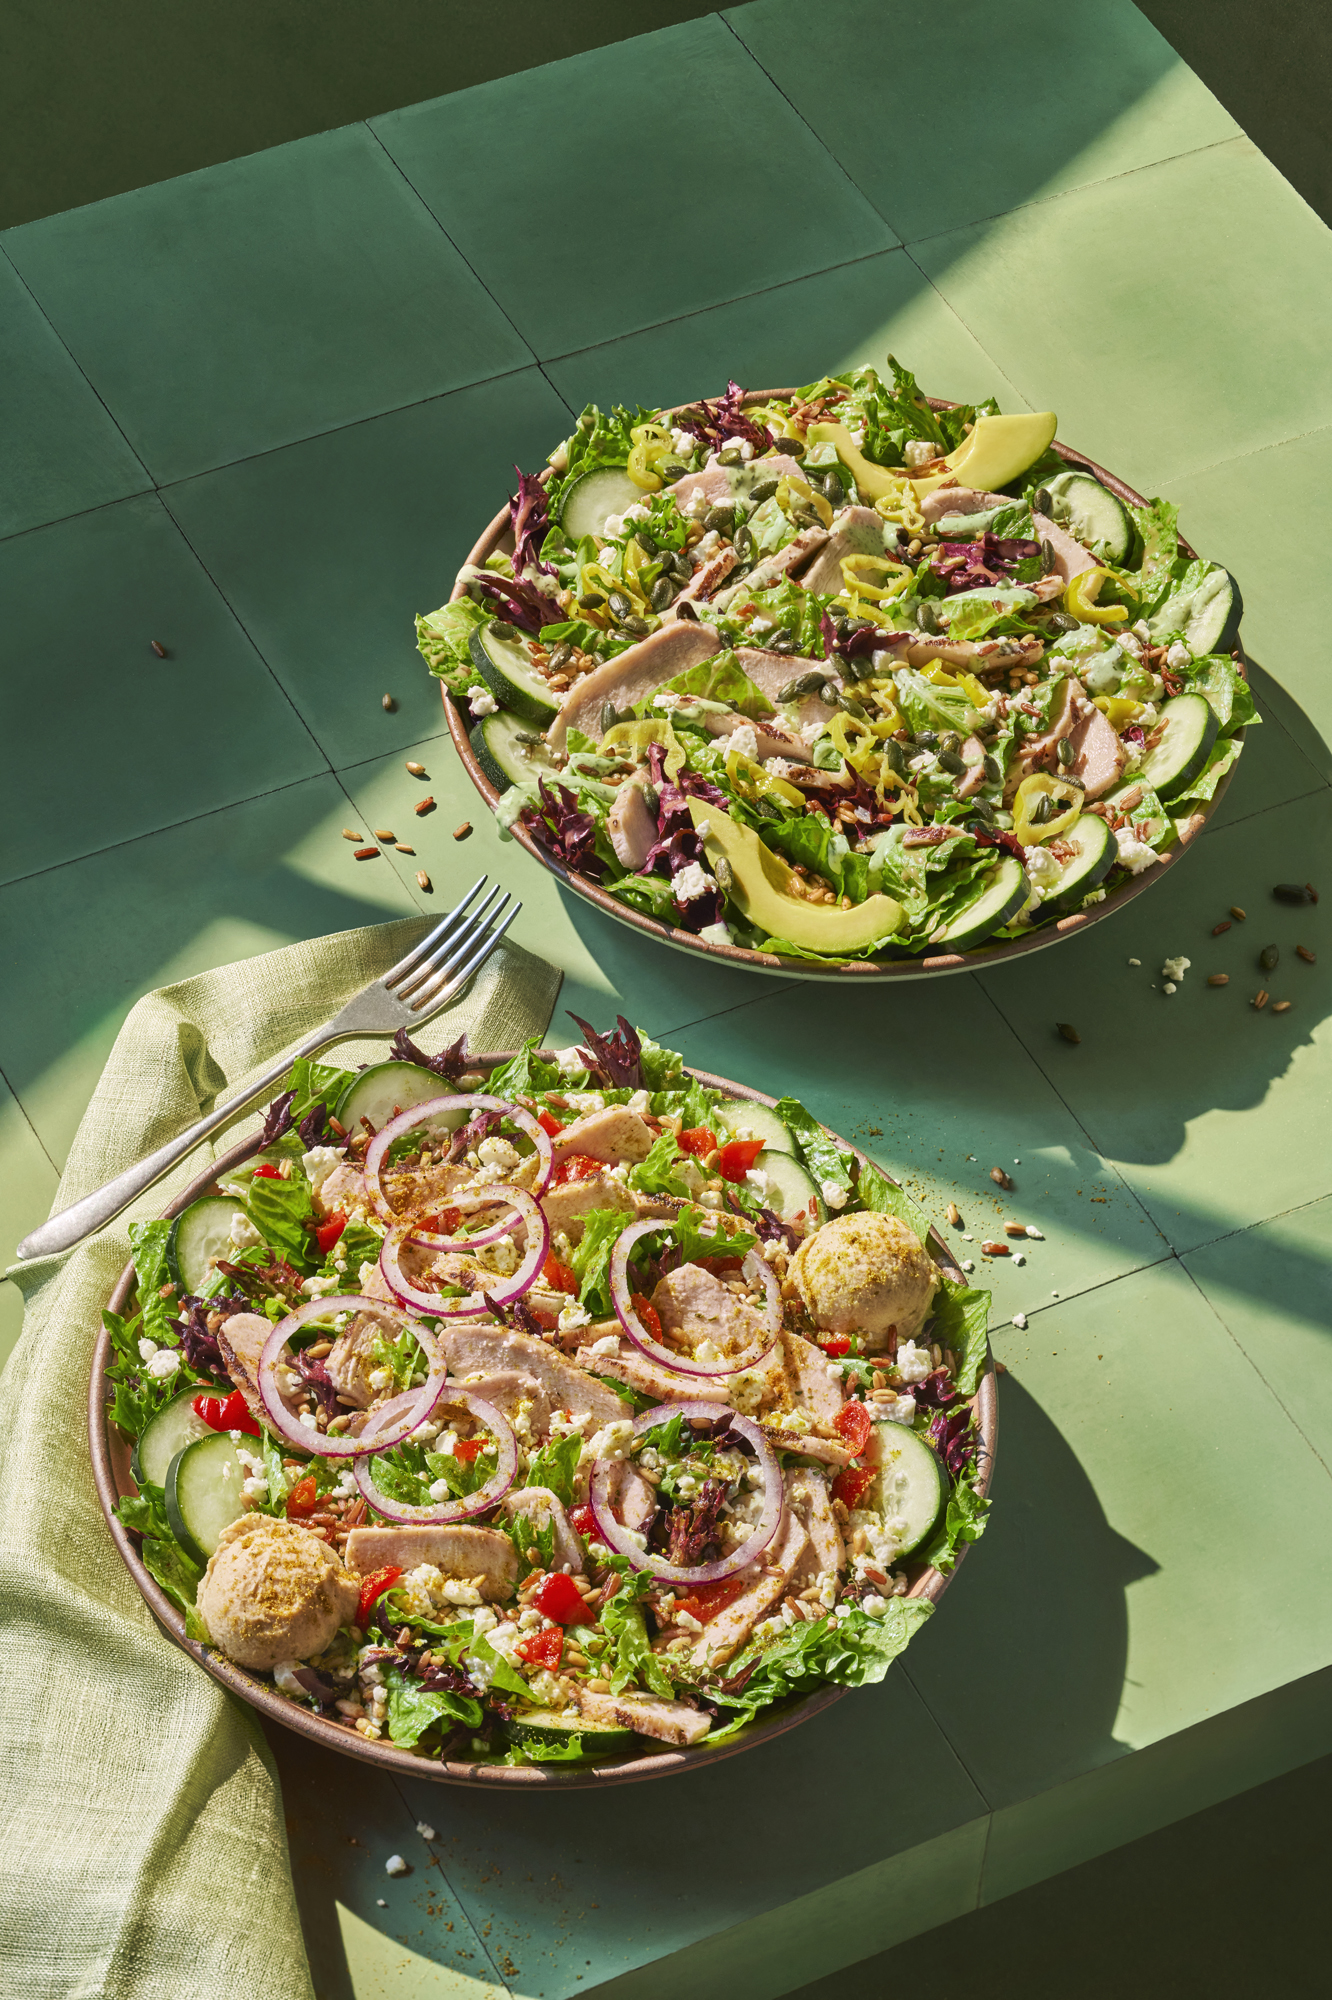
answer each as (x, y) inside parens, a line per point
(442, 639)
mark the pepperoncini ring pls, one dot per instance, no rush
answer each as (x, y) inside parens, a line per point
(1027, 801)
(1080, 594)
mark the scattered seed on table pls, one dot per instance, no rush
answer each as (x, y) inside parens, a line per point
(347, 834)
(1311, 892)
(994, 1250)
(423, 806)
(461, 832)
(423, 881)
(388, 704)
(1303, 951)
(953, 1216)
(1281, 1006)
(366, 853)
(1260, 999)
(1291, 892)
(1269, 958)
(1237, 913)
(418, 770)
(1015, 1229)
(404, 849)
(1000, 1178)
(382, 833)
(158, 648)
(1218, 979)
(1068, 1031)
(1000, 1368)
(1218, 928)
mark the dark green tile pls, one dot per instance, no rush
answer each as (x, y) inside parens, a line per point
(255, 303)
(60, 451)
(631, 184)
(28, 1184)
(974, 109)
(105, 740)
(1214, 1113)
(794, 333)
(327, 550)
(98, 933)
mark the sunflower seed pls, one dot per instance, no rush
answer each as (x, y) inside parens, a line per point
(1281, 1006)
(417, 770)
(1218, 979)
(388, 704)
(347, 834)
(158, 648)
(1068, 1031)
(1303, 951)
(1000, 1178)
(382, 833)
(423, 880)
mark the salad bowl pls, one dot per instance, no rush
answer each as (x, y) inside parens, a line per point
(1063, 919)
(114, 1475)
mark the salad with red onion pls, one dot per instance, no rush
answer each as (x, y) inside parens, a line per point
(550, 1413)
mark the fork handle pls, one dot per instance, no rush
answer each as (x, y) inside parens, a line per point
(81, 1218)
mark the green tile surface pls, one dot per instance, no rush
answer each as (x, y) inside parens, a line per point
(60, 450)
(1089, 91)
(255, 303)
(303, 348)
(327, 550)
(104, 739)
(686, 178)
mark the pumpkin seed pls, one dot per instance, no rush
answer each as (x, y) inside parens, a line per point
(721, 519)
(1065, 752)
(1042, 501)
(607, 717)
(725, 875)
(791, 447)
(673, 471)
(763, 491)
(663, 593)
(591, 600)
(833, 490)
(620, 605)
(1292, 892)
(808, 683)
(950, 761)
(926, 739)
(1269, 958)
(1047, 558)
(645, 541)
(637, 628)
(894, 758)
(1068, 1031)
(503, 630)
(993, 775)
(744, 544)
(783, 643)
(1063, 621)
(730, 454)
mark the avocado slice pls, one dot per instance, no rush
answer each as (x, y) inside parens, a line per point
(998, 449)
(762, 887)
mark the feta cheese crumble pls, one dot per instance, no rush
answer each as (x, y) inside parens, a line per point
(320, 1162)
(691, 883)
(243, 1233)
(481, 701)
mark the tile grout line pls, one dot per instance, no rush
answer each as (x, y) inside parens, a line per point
(1256, 1371)
(23, 1113)
(438, 1860)
(1229, 1235)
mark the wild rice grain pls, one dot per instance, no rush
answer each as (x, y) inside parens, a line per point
(1218, 979)
(366, 853)
(461, 832)
(423, 806)
(158, 648)
(1303, 951)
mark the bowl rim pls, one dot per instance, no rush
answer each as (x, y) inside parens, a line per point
(874, 973)
(110, 1456)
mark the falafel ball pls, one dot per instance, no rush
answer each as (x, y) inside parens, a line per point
(867, 1274)
(273, 1591)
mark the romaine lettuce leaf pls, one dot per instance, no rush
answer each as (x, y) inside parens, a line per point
(442, 640)
(961, 1321)
(721, 678)
(1218, 678)
(828, 1164)
(413, 1709)
(855, 1651)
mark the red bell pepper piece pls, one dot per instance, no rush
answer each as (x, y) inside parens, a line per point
(226, 1413)
(328, 1233)
(850, 1484)
(577, 1167)
(709, 1599)
(267, 1172)
(302, 1499)
(558, 1276)
(737, 1157)
(469, 1448)
(854, 1423)
(544, 1648)
(584, 1523)
(648, 1316)
(373, 1588)
(835, 1344)
(549, 1125)
(700, 1140)
(559, 1597)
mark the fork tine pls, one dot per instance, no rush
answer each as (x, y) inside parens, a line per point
(447, 953)
(433, 937)
(431, 997)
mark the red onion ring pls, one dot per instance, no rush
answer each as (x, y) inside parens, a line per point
(304, 1436)
(754, 1267)
(420, 1114)
(447, 1510)
(504, 1290)
(774, 1498)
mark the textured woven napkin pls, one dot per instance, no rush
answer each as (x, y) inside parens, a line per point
(142, 1850)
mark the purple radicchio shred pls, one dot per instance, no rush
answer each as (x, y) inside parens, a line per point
(768, 1225)
(998, 838)
(1134, 734)
(323, 1691)
(526, 1320)
(441, 1677)
(864, 640)
(278, 1119)
(936, 1392)
(515, 601)
(722, 421)
(497, 1312)
(565, 832)
(678, 845)
(449, 1063)
(198, 1345)
(989, 559)
(278, 1280)
(529, 517)
(614, 1059)
(320, 1384)
(951, 1435)
(313, 1128)
(694, 1529)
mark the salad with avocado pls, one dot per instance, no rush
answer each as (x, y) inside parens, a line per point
(840, 675)
(553, 1413)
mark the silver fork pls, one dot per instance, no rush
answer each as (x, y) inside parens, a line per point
(407, 995)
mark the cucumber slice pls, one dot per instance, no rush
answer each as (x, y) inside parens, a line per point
(174, 1426)
(200, 1235)
(506, 668)
(381, 1092)
(1004, 889)
(1096, 853)
(591, 501)
(1091, 512)
(909, 1485)
(544, 1725)
(792, 1191)
(203, 1493)
(505, 757)
(739, 1119)
(1188, 728)
(1207, 616)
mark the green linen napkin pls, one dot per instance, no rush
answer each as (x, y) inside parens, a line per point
(142, 1848)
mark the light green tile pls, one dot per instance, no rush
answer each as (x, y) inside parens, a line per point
(1270, 1287)
(922, 1077)
(100, 932)
(1154, 312)
(793, 334)
(608, 968)
(1040, 96)
(692, 178)
(1280, 760)
(1287, 600)
(1213, 1113)
(28, 1183)
(1157, 1517)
